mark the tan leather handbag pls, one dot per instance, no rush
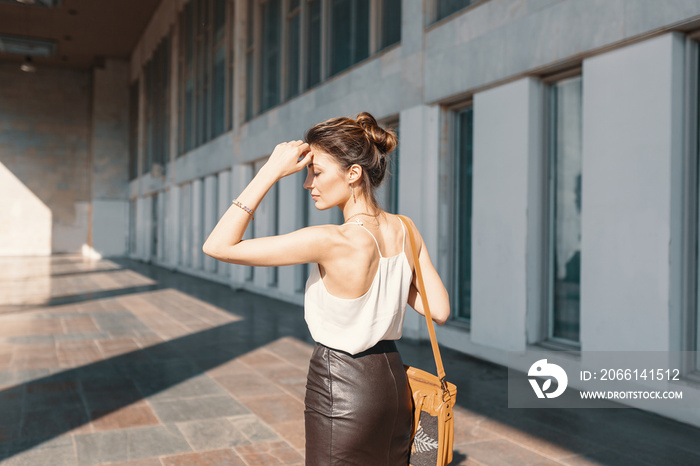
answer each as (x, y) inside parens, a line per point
(433, 396)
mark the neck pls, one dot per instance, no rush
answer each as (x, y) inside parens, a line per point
(361, 206)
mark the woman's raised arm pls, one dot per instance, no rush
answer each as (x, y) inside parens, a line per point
(225, 241)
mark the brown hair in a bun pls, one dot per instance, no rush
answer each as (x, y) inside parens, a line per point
(360, 141)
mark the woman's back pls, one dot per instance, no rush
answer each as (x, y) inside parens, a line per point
(369, 314)
(351, 273)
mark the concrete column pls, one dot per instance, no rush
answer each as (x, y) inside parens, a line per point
(172, 254)
(288, 221)
(224, 202)
(185, 225)
(210, 217)
(632, 196)
(159, 199)
(196, 224)
(506, 144)
(412, 37)
(110, 159)
(418, 186)
(263, 226)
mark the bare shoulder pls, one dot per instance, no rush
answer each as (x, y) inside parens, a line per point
(414, 228)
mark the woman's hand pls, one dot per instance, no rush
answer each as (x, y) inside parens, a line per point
(288, 158)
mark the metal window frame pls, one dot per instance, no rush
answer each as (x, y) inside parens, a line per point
(549, 81)
(447, 214)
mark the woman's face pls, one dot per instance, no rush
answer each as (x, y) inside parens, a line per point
(325, 180)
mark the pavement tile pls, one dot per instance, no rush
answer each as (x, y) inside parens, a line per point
(135, 415)
(213, 434)
(52, 422)
(101, 447)
(292, 351)
(205, 458)
(269, 453)
(276, 408)
(248, 385)
(50, 394)
(254, 429)
(231, 367)
(502, 452)
(260, 357)
(77, 353)
(293, 432)
(190, 409)
(197, 386)
(117, 346)
(141, 462)
(79, 324)
(58, 451)
(145, 442)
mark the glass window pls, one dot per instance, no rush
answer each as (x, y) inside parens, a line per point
(270, 54)
(206, 61)
(447, 7)
(313, 45)
(219, 91)
(565, 122)
(293, 42)
(388, 192)
(391, 22)
(349, 33)
(464, 128)
(133, 130)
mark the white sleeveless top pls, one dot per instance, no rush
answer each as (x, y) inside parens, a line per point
(356, 324)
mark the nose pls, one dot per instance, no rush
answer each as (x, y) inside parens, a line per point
(309, 181)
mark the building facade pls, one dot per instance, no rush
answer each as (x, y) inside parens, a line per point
(548, 153)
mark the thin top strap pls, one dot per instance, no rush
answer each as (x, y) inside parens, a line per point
(358, 222)
(403, 248)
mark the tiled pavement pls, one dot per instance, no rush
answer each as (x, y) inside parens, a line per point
(118, 362)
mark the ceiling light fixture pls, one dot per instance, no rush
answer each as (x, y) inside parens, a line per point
(28, 66)
(27, 2)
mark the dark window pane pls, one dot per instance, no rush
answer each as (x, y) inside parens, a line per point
(189, 36)
(270, 71)
(133, 130)
(293, 56)
(349, 33)
(219, 93)
(189, 114)
(447, 7)
(341, 35)
(463, 191)
(219, 20)
(391, 22)
(250, 85)
(294, 4)
(251, 22)
(361, 30)
(313, 48)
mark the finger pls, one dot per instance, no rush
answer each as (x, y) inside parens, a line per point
(306, 159)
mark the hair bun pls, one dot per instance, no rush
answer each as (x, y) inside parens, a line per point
(385, 140)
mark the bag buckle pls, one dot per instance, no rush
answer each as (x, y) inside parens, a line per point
(445, 391)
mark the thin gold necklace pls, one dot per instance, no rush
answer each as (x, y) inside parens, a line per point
(361, 213)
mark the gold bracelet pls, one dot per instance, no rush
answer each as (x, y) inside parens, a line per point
(235, 201)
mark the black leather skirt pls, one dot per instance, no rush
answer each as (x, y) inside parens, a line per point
(358, 408)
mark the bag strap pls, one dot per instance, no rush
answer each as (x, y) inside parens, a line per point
(426, 308)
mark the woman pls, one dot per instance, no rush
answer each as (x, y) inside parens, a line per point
(358, 405)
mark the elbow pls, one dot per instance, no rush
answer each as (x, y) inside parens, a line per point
(208, 250)
(441, 320)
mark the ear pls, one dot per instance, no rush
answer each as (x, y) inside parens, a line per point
(354, 173)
